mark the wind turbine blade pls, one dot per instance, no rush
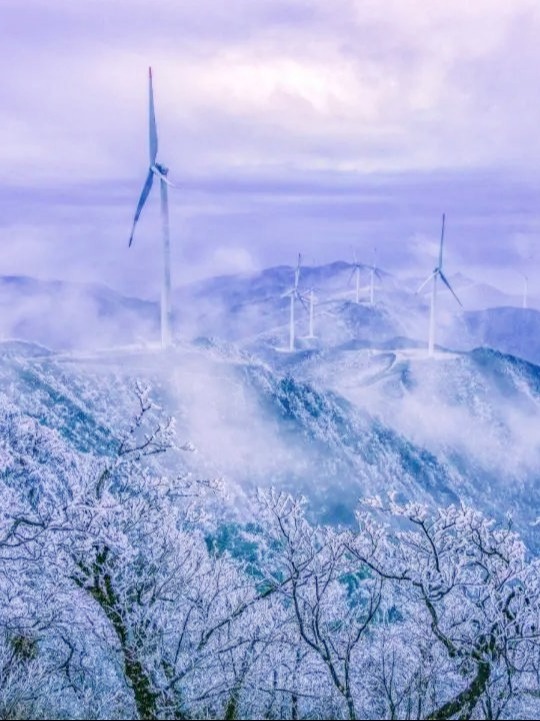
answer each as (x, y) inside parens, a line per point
(378, 273)
(142, 200)
(152, 120)
(351, 276)
(297, 271)
(303, 301)
(442, 240)
(447, 284)
(430, 277)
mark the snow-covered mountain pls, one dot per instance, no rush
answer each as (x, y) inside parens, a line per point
(335, 424)
(358, 410)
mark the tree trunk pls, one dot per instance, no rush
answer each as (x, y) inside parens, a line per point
(466, 700)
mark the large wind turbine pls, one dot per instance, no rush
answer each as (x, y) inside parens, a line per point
(156, 169)
(434, 276)
(294, 295)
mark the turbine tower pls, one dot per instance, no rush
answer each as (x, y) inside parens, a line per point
(357, 267)
(434, 276)
(311, 296)
(525, 290)
(294, 295)
(373, 272)
(160, 171)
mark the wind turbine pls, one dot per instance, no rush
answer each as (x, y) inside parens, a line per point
(525, 290)
(434, 276)
(373, 272)
(311, 296)
(357, 267)
(294, 295)
(160, 171)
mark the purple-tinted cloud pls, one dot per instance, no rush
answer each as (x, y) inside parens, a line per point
(287, 125)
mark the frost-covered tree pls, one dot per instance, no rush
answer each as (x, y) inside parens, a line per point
(110, 554)
(331, 602)
(136, 547)
(117, 602)
(464, 639)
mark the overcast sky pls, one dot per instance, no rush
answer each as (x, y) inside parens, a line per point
(299, 125)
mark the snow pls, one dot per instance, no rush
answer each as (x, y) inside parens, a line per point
(366, 409)
(239, 492)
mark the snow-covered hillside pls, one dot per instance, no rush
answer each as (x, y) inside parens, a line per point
(335, 424)
(358, 410)
(113, 525)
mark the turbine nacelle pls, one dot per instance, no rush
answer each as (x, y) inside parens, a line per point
(437, 273)
(374, 269)
(161, 171)
(356, 268)
(296, 295)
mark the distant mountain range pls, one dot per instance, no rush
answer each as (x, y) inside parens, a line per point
(62, 315)
(231, 306)
(250, 310)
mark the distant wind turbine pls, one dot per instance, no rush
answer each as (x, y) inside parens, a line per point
(437, 273)
(373, 272)
(294, 295)
(357, 268)
(311, 296)
(156, 169)
(525, 290)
